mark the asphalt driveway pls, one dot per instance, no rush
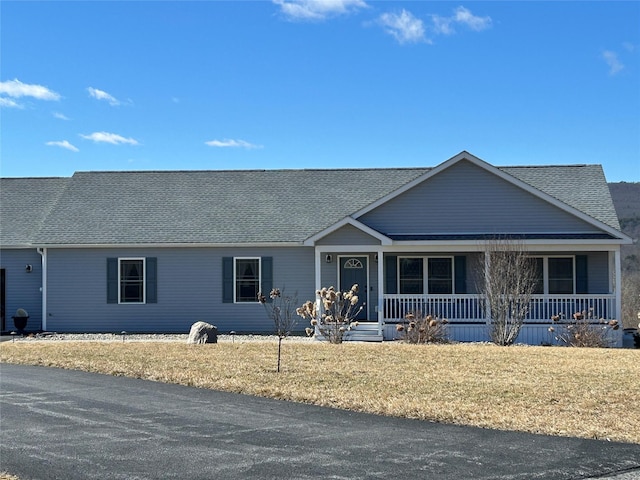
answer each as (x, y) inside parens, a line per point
(61, 424)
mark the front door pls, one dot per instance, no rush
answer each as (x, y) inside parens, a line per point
(354, 270)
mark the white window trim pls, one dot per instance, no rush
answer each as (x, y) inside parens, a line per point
(425, 272)
(235, 282)
(144, 280)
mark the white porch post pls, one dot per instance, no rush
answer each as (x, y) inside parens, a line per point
(380, 291)
(618, 284)
(318, 276)
(487, 278)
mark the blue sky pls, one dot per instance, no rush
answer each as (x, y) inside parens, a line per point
(142, 85)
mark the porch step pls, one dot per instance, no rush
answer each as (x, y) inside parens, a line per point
(364, 332)
(362, 337)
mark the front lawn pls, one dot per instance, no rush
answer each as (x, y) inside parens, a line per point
(582, 392)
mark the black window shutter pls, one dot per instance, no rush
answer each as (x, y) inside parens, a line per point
(112, 280)
(227, 279)
(460, 263)
(391, 274)
(266, 276)
(582, 275)
(152, 279)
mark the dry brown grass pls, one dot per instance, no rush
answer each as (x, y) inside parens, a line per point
(590, 393)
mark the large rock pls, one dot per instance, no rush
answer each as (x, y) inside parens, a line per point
(203, 332)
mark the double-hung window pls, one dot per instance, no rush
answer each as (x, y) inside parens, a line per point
(555, 275)
(246, 279)
(132, 280)
(131, 274)
(561, 275)
(411, 275)
(438, 279)
(440, 273)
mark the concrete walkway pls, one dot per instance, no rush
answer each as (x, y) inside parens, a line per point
(76, 425)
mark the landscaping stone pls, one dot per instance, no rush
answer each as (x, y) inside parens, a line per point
(203, 332)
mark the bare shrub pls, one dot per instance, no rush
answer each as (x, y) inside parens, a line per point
(583, 330)
(507, 284)
(339, 311)
(420, 328)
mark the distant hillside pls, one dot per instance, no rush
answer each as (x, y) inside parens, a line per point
(626, 199)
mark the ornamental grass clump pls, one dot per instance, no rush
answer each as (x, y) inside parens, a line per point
(582, 330)
(420, 328)
(337, 314)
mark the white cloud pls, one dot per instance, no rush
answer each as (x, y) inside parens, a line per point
(231, 143)
(611, 59)
(465, 17)
(403, 26)
(318, 9)
(102, 95)
(461, 16)
(106, 137)
(60, 116)
(9, 103)
(63, 144)
(16, 89)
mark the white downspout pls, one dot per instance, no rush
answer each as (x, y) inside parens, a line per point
(43, 288)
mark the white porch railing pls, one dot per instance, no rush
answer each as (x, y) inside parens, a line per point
(470, 308)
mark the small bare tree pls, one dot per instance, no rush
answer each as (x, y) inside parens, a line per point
(281, 310)
(507, 285)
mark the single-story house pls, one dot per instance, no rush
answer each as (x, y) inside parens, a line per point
(155, 251)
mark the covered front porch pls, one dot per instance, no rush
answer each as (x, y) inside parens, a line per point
(443, 281)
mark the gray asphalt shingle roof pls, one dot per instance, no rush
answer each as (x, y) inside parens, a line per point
(234, 207)
(211, 207)
(583, 187)
(24, 205)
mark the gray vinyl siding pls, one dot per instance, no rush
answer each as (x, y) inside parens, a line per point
(329, 271)
(475, 265)
(468, 199)
(189, 288)
(598, 272)
(348, 235)
(22, 288)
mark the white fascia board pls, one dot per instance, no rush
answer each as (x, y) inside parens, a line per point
(311, 241)
(348, 249)
(464, 155)
(479, 245)
(172, 245)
